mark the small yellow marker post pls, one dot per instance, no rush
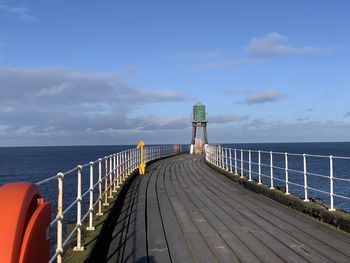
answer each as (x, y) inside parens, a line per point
(142, 165)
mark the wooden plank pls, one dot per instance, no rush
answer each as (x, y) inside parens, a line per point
(178, 248)
(116, 247)
(313, 233)
(283, 244)
(136, 243)
(305, 246)
(157, 245)
(212, 238)
(194, 239)
(256, 247)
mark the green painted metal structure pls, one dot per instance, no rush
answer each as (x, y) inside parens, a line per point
(199, 113)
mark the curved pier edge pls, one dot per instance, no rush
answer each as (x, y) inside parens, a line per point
(93, 241)
(339, 219)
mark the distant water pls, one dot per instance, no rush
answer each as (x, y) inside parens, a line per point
(33, 164)
(315, 165)
(37, 163)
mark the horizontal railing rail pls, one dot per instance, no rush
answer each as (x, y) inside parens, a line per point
(111, 172)
(304, 175)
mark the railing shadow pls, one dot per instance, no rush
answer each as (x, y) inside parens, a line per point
(99, 252)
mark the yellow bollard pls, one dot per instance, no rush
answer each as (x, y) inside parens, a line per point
(142, 165)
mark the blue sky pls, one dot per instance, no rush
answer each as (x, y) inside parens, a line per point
(113, 72)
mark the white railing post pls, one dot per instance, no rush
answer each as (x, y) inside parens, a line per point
(207, 154)
(129, 162)
(305, 179)
(236, 172)
(271, 171)
(120, 167)
(114, 174)
(226, 162)
(218, 153)
(99, 211)
(106, 182)
(59, 248)
(136, 158)
(213, 153)
(222, 158)
(219, 156)
(125, 166)
(78, 246)
(110, 177)
(259, 167)
(331, 178)
(230, 160)
(241, 163)
(250, 165)
(117, 167)
(286, 170)
(91, 203)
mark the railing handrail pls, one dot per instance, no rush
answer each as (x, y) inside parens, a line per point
(113, 170)
(289, 153)
(223, 158)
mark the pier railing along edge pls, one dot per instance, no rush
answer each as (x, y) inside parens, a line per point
(117, 168)
(232, 160)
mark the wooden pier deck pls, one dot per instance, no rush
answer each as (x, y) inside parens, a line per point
(184, 211)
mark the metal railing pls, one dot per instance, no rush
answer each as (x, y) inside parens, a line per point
(304, 175)
(112, 171)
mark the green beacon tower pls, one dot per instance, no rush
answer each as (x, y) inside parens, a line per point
(199, 120)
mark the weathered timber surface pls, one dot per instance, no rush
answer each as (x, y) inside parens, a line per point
(184, 211)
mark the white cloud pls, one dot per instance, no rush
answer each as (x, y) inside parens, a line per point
(20, 12)
(5, 109)
(265, 96)
(260, 49)
(258, 130)
(55, 89)
(224, 119)
(61, 102)
(276, 44)
(165, 123)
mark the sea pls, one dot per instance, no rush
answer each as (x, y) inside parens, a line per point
(34, 164)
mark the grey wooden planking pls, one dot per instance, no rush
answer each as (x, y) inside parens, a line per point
(183, 211)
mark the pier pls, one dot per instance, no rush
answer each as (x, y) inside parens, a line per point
(174, 203)
(161, 204)
(184, 211)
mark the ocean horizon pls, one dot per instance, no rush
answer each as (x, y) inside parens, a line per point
(35, 163)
